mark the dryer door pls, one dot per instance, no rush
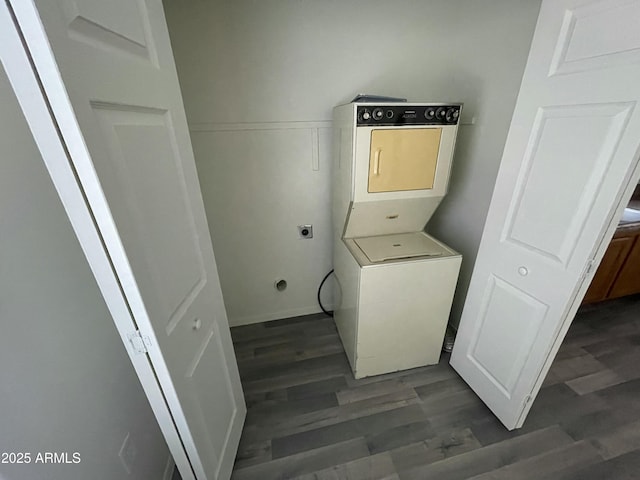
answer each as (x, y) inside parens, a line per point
(403, 159)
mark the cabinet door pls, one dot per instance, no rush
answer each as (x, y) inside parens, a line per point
(628, 281)
(607, 271)
(403, 159)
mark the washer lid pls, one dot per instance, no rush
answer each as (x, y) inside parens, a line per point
(401, 245)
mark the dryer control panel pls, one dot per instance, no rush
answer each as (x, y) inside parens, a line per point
(391, 115)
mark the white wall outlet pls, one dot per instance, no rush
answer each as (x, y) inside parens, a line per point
(128, 453)
(305, 231)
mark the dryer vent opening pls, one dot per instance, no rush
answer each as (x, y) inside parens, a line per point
(281, 285)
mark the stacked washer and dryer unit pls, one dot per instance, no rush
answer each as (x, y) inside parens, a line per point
(394, 283)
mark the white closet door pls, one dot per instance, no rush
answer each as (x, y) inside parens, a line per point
(570, 152)
(107, 71)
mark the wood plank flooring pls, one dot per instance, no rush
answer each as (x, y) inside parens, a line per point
(308, 419)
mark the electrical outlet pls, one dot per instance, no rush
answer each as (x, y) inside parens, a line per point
(305, 231)
(128, 453)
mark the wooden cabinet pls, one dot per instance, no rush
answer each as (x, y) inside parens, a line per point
(628, 280)
(619, 272)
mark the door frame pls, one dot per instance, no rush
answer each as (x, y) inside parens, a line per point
(22, 39)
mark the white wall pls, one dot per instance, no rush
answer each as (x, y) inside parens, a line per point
(66, 383)
(259, 80)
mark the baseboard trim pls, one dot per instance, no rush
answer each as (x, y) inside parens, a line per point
(294, 312)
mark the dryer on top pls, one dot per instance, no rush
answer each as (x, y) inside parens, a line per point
(400, 164)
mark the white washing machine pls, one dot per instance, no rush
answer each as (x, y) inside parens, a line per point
(394, 282)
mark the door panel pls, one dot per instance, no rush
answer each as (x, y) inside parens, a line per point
(588, 42)
(571, 150)
(525, 316)
(575, 143)
(117, 25)
(209, 380)
(114, 92)
(144, 168)
(403, 159)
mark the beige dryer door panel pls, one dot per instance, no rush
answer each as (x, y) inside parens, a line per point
(403, 159)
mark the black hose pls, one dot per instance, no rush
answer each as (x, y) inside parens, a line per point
(326, 312)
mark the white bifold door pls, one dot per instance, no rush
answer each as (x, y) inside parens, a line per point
(569, 164)
(97, 83)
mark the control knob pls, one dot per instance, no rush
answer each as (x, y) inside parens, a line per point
(441, 113)
(452, 115)
(366, 115)
(378, 114)
(430, 113)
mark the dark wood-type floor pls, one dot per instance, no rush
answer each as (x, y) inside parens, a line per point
(309, 419)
